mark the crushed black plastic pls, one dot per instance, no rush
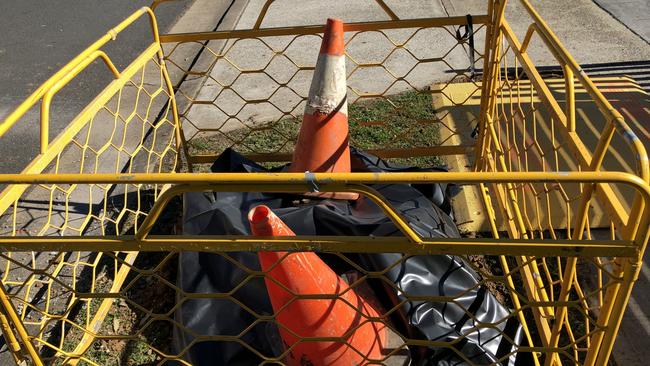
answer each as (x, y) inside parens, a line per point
(427, 209)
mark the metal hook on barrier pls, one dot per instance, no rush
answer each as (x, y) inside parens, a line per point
(310, 178)
(469, 37)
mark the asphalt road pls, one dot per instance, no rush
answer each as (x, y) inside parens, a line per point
(37, 37)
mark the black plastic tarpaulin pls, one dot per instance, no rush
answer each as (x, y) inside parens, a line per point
(424, 206)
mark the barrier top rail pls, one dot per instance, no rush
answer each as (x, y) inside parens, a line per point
(333, 182)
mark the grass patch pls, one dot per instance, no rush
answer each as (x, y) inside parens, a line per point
(401, 121)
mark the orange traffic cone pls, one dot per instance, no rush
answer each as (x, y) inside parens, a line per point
(304, 273)
(322, 144)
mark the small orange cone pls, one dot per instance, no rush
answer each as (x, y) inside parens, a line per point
(322, 144)
(304, 273)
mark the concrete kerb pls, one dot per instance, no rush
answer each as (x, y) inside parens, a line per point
(225, 15)
(189, 86)
(633, 14)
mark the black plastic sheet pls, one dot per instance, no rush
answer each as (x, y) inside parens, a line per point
(424, 206)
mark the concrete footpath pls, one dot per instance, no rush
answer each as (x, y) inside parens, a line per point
(634, 14)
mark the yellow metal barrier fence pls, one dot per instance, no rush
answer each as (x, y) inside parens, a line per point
(90, 252)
